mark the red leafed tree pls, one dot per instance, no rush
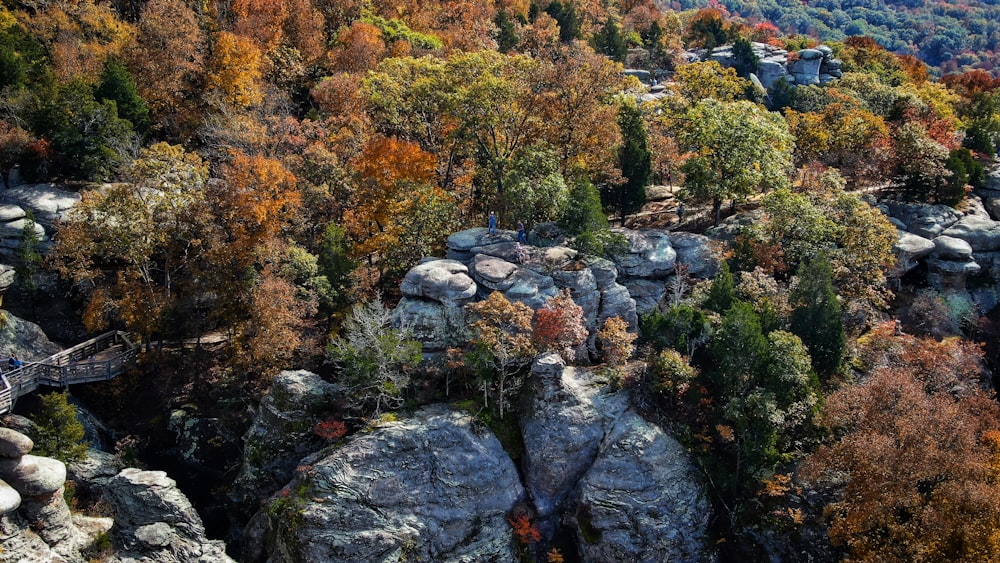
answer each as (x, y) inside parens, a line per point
(917, 455)
(559, 326)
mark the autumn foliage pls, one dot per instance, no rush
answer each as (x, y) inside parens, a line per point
(918, 450)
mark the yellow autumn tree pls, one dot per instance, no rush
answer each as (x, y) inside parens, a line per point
(234, 76)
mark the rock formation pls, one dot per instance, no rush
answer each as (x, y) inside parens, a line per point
(628, 489)
(433, 487)
(478, 263)
(281, 434)
(153, 521)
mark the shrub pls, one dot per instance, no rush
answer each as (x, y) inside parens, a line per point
(59, 434)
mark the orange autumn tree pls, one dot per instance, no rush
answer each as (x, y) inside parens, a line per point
(917, 454)
(234, 76)
(396, 213)
(559, 326)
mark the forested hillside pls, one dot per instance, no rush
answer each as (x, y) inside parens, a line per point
(570, 258)
(950, 36)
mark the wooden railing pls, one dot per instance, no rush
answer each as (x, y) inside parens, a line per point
(97, 359)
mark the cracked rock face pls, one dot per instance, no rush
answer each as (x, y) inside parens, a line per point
(629, 488)
(433, 487)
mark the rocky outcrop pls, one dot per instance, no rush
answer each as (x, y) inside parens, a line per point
(48, 203)
(808, 66)
(281, 434)
(953, 244)
(436, 290)
(639, 501)
(13, 221)
(570, 413)
(154, 521)
(434, 487)
(24, 339)
(909, 249)
(628, 488)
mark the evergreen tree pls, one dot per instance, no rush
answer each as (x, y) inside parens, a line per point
(815, 316)
(635, 162)
(118, 86)
(740, 351)
(29, 259)
(58, 433)
(609, 41)
(566, 16)
(506, 33)
(722, 295)
(745, 59)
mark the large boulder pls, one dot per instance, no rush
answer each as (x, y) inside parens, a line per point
(24, 339)
(281, 433)
(910, 248)
(695, 252)
(48, 203)
(433, 487)
(640, 500)
(646, 293)
(445, 281)
(141, 499)
(923, 219)
(570, 413)
(435, 325)
(982, 234)
(648, 255)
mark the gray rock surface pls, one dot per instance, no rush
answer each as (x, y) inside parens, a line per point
(446, 281)
(646, 293)
(437, 326)
(48, 202)
(93, 473)
(640, 500)
(570, 413)
(950, 248)
(281, 433)
(695, 252)
(922, 219)
(33, 475)
(8, 275)
(909, 249)
(58, 530)
(616, 302)
(434, 487)
(649, 254)
(13, 444)
(149, 498)
(25, 339)
(630, 489)
(981, 233)
(9, 498)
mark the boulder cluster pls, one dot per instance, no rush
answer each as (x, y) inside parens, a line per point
(951, 245)
(478, 263)
(438, 486)
(153, 520)
(34, 517)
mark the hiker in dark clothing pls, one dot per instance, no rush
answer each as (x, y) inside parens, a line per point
(522, 236)
(493, 223)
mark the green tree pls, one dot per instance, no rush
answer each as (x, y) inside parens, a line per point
(29, 259)
(58, 432)
(738, 148)
(635, 162)
(375, 359)
(722, 294)
(745, 59)
(89, 136)
(567, 17)
(506, 32)
(739, 348)
(609, 41)
(118, 86)
(815, 315)
(334, 263)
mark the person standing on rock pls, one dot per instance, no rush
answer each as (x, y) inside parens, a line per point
(522, 236)
(493, 222)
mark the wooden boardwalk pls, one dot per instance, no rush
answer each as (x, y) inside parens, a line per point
(97, 359)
